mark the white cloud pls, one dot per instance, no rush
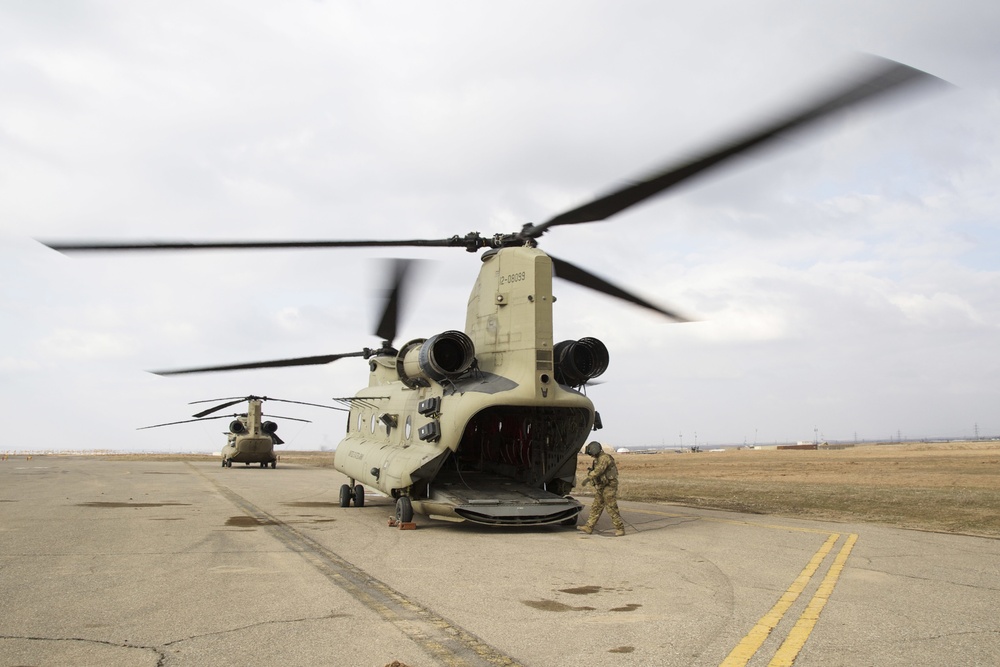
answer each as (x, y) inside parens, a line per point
(841, 278)
(84, 345)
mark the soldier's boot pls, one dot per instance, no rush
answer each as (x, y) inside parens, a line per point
(586, 528)
(619, 532)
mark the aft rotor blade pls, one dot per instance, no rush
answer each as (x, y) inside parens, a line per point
(886, 76)
(113, 246)
(386, 329)
(574, 274)
(299, 361)
(225, 398)
(218, 407)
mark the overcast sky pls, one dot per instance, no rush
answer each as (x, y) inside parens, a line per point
(846, 283)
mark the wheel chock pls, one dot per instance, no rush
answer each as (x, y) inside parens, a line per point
(402, 525)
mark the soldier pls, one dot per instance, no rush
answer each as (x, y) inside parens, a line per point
(603, 474)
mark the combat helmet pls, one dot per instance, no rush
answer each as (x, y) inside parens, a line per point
(593, 448)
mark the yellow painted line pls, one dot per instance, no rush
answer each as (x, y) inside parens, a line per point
(749, 645)
(798, 635)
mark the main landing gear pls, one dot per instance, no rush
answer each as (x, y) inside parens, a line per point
(228, 463)
(404, 510)
(352, 491)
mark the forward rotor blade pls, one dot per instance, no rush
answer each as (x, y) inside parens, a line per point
(390, 315)
(110, 246)
(884, 77)
(218, 407)
(299, 361)
(575, 274)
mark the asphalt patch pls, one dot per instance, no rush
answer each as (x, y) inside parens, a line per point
(110, 505)
(244, 521)
(552, 605)
(581, 590)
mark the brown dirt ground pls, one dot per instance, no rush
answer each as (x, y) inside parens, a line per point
(952, 488)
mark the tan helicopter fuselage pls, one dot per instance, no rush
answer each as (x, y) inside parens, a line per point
(250, 444)
(495, 443)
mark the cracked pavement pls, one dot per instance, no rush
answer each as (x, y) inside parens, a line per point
(171, 563)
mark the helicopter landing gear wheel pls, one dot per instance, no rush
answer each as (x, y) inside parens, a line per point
(274, 463)
(223, 463)
(359, 496)
(404, 510)
(345, 496)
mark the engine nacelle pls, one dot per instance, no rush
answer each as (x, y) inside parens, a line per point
(439, 357)
(577, 361)
(236, 426)
(269, 427)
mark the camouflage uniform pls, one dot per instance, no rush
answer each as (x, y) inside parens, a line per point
(604, 475)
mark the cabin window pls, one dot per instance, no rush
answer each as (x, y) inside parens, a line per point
(408, 427)
(374, 421)
(361, 421)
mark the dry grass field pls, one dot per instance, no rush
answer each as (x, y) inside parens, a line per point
(953, 488)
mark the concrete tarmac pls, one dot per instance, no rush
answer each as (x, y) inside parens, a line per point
(155, 563)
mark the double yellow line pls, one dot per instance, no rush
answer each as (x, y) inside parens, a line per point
(799, 634)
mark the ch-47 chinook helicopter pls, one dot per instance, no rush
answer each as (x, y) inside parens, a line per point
(249, 439)
(485, 425)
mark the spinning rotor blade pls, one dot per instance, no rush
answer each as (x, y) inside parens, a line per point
(236, 400)
(315, 405)
(72, 246)
(886, 76)
(298, 361)
(218, 407)
(882, 78)
(185, 421)
(227, 398)
(294, 419)
(390, 315)
(574, 274)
